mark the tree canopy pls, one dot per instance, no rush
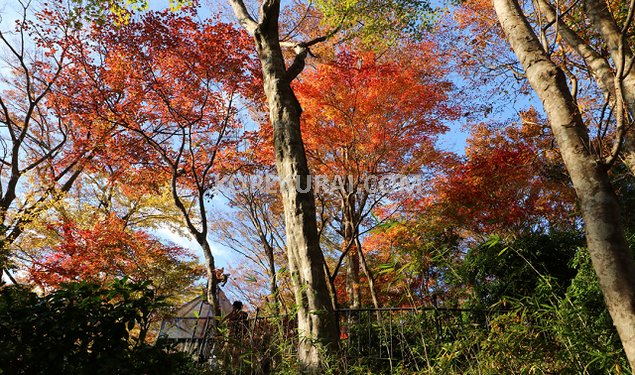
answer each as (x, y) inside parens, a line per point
(313, 141)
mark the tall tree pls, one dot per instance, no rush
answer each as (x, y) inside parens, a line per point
(317, 322)
(254, 228)
(511, 181)
(587, 166)
(368, 117)
(172, 84)
(35, 163)
(106, 250)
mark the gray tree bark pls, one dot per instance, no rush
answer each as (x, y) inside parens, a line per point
(620, 53)
(317, 323)
(610, 254)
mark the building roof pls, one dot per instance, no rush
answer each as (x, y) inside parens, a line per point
(191, 321)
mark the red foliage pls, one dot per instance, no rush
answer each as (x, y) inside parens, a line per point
(155, 96)
(367, 115)
(511, 180)
(103, 251)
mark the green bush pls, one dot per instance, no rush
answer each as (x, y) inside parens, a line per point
(83, 329)
(584, 326)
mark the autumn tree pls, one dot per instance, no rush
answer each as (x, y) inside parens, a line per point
(316, 321)
(511, 181)
(254, 228)
(103, 229)
(37, 163)
(415, 255)
(172, 84)
(365, 118)
(305, 257)
(107, 250)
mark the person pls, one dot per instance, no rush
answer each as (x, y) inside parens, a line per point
(236, 322)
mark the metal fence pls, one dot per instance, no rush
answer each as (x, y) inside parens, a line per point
(387, 337)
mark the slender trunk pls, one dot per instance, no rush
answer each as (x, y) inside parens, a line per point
(605, 24)
(610, 254)
(5, 271)
(368, 273)
(331, 286)
(317, 323)
(212, 282)
(353, 290)
(273, 281)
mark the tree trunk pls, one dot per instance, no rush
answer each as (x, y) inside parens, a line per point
(352, 279)
(317, 323)
(273, 281)
(353, 290)
(628, 155)
(609, 251)
(212, 282)
(368, 273)
(605, 24)
(603, 73)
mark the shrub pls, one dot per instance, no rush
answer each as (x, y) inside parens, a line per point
(83, 329)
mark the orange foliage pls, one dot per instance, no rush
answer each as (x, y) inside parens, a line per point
(160, 95)
(511, 180)
(105, 250)
(363, 115)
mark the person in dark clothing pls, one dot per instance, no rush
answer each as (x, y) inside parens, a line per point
(236, 322)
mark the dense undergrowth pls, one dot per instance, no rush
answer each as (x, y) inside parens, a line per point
(556, 328)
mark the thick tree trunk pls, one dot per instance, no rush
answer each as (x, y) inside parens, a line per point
(317, 322)
(610, 254)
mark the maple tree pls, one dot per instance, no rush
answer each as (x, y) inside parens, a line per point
(171, 86)
(415, 255)
(35, 163)
(102, 230)
(291, 164)
(365, 116)
(107, 250)
(511, 181)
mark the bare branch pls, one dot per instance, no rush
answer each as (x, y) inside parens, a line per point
(621, 113)
(243, 16)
